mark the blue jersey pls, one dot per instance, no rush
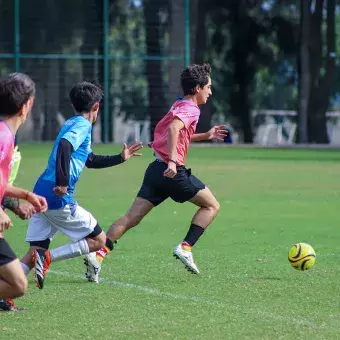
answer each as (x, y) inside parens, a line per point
(77, 130)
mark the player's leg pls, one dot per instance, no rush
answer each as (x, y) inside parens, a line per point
(189, 188)
(132, 218)
(149, 196)
(139, 209)
(40, 231)
(208, 210)
(81, 227)
(13, 282)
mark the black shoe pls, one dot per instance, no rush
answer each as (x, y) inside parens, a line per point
(7, 305)
(42, 262)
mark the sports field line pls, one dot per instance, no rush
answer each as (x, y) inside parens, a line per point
(146, 289)
(251, 312)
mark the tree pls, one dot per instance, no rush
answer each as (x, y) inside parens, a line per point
(316, 68)
(246, 36)
(176, 47)
(157, 103)
(200, 57)
(56, 36)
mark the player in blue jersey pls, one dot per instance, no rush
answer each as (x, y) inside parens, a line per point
(70, 154)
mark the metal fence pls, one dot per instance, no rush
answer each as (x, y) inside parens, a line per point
(127, 45)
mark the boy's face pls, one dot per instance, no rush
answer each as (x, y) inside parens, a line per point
(204, 93)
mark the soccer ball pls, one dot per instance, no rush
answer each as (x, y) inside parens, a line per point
(301, 256)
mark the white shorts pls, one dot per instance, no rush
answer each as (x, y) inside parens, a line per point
(71, 220)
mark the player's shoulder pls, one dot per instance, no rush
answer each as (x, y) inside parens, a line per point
(77, 122)
(5, 132)
(4, 127)
(187, 107)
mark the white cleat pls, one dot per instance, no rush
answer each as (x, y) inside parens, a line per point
(92, 267)
(186, 257)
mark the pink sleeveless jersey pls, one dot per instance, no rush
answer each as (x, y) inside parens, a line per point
(6, 153)
(188, 112)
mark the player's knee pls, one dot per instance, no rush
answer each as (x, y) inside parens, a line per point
(20, 286)
(214, 206)
(217, 207)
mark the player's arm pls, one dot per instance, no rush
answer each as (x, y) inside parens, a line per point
(218, 132)
(99, 162)
(38, 202)
(62, 169)
(173, 132)
(5, 221)
(198, 137)
(10, 203)
(22, 210)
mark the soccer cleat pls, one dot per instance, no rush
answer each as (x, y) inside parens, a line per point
(92, 267)
(186, 257)
(42, 262)
(7, 305)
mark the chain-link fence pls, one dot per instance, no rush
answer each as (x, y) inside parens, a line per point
(135, 48)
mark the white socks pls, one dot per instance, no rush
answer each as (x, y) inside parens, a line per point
(70, 250)
(25, 268)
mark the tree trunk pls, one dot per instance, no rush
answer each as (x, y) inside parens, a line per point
(304, 75)
(321, 85)
(204, 122)
(93, 69)
(243, 30)
(51, 128)
(176, 48)
(154, 73)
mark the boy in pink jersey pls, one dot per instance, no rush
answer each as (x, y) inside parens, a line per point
(167, 176)
(16, 101)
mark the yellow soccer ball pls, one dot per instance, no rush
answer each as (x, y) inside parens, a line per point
(302, 256)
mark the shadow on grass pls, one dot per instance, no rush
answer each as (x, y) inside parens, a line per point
(266, 278)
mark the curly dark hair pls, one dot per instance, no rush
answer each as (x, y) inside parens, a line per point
(15, 90)
(194, 75)
(85, 94)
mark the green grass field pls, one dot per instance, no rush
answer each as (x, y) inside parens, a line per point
(270, 199)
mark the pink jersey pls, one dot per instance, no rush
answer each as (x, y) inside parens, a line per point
(188, 112)
(6, 155)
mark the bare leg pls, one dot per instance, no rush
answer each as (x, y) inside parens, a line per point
(209, 208)
(139, 209)
(13, 282)
(95, 243)
(28, 258)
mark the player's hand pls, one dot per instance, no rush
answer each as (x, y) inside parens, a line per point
(39, 203)
(5, 221)
(60, 191)
(131, 150)
(171, 171)
(218, 132)
(25, 211)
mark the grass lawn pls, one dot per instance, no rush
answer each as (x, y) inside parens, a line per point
(270, 199)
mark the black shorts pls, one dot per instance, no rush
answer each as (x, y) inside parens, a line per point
(156, 188)
(6, 253)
